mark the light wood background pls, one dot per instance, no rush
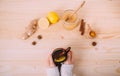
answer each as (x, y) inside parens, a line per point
(19, 58)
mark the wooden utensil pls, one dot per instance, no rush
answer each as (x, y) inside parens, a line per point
(75, 11)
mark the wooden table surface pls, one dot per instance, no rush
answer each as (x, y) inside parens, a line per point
(20, 58)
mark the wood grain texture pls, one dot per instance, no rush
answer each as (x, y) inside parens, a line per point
(20, 58)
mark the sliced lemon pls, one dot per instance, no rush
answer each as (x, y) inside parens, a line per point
(43, 23)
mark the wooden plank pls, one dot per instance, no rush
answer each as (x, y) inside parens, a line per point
(20, 58)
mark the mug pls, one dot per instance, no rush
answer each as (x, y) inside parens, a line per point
(59, 55)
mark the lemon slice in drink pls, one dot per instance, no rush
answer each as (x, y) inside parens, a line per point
(60, 59)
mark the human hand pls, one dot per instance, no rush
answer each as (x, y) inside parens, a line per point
(69, 58)
(50, 62)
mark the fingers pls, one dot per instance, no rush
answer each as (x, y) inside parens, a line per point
(50, 61)
(69, 58)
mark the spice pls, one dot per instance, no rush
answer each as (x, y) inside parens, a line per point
(34, 43)
(30, 30)
(94, 43)
(82, 27)
(92, 34)
(39, 37)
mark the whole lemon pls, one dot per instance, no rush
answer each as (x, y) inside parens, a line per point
(53, 17)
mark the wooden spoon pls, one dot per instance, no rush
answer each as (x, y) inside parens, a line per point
(76, 11)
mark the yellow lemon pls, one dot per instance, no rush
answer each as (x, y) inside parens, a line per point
(53, 17)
